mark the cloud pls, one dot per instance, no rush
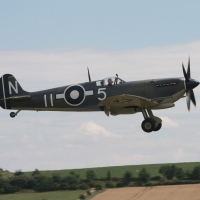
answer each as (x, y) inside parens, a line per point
(25, 139)
(95, 130)
(43, 69)
(55, 140)
(46, 122)
(167, 123)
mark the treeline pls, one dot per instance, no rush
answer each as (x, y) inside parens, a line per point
(170, 174)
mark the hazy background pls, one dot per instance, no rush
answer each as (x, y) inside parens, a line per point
(47, 44)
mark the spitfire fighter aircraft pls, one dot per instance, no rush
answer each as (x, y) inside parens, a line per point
(112, 95)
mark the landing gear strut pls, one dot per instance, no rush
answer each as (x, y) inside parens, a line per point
(151, 122)
(13, 114)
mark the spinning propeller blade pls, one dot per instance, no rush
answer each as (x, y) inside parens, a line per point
(188, 99)
(184, 72)
(193, 98)
(188, 70)
(190, 84)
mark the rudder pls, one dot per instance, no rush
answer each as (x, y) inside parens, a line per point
(9, 87)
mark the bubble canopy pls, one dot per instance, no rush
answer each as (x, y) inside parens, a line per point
(112, 81)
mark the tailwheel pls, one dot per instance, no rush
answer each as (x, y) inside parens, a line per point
(158, 127)
(12, 114)
(148, 125)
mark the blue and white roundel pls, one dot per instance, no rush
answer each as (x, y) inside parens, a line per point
(74, 95)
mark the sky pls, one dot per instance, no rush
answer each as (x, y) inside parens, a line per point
(47, 44)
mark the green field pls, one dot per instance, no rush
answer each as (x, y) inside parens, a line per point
(101, 172)
(58, 195)
(118, 171)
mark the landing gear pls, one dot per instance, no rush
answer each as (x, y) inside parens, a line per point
(13, 114)
(158, 127)
(148, 125)
(151, 122)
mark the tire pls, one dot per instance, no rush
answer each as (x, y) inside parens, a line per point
(12, 115)
(148, 125)
(157, 128)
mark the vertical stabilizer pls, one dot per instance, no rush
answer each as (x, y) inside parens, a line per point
(9, 87)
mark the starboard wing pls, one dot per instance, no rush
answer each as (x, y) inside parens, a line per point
(129, 101)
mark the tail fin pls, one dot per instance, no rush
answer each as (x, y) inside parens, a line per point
(9, 87)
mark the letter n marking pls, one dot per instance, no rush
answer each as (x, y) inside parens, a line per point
(15, 88)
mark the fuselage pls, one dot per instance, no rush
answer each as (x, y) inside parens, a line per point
(111, 95)
(87, 96)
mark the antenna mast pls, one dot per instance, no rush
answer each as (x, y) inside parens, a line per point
(89, 75)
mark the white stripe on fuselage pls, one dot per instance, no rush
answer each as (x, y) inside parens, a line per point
(59, 96)
(45, 100)
(51, 98)
(4, 92)
(89, 93)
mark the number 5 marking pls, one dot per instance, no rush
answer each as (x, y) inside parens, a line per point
(102, 92)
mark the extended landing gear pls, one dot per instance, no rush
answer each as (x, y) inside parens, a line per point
(148, 125)
(151, 122)
(13, 114)
(158, 127)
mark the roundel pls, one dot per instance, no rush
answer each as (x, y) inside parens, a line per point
(74, 95)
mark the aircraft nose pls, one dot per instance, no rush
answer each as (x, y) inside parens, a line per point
(191, 84)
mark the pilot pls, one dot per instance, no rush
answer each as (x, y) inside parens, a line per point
(110, 82)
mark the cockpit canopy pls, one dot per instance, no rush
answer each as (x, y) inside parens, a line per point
(110, 81)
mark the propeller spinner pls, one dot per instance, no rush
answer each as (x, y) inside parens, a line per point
(190, 84)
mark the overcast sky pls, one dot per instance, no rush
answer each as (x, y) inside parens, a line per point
(47, 44)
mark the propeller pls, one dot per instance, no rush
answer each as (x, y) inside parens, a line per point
(190, 84)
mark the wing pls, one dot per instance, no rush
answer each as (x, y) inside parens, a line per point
(128, 101)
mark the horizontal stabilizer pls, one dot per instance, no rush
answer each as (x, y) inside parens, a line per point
(17, 97)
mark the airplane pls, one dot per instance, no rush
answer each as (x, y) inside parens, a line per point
(112, 95)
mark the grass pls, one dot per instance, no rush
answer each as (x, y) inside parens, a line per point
(59, 195)
(118, 171)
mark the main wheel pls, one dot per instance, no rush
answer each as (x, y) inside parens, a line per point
(157, 128)
(12, 114)
(148, 125)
